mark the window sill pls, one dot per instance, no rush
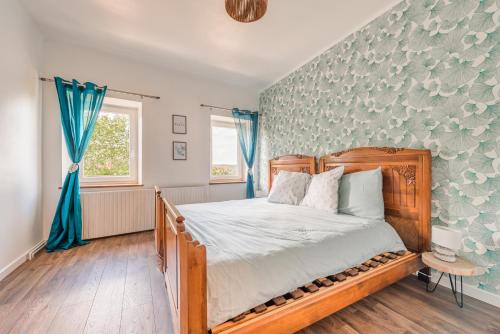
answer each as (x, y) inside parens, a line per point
(212, 182)
(109, 185)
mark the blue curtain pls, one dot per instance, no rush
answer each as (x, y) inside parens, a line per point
(247, 124)
(80, 105)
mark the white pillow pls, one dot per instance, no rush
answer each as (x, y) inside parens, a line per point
(289, 187)
(323, 191)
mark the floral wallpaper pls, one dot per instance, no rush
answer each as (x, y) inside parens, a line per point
(425, 75)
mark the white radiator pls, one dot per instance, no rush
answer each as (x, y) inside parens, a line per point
(106, 213)
(186, 195)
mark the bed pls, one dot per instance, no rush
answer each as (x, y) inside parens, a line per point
(255, 267)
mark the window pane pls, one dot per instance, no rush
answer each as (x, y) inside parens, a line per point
(108, 153)
(224, 151)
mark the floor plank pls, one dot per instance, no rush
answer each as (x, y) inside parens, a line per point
(113, 285)
(138, 319)
(71, 318)
(162, 323)
(105, 317)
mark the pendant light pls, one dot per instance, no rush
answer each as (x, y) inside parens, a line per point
(246, 10)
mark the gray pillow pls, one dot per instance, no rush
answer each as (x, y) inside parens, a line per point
(360, 194)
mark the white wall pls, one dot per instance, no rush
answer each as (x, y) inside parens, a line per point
(20, 136)
(180, 94)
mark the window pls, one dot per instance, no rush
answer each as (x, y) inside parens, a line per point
(113, 155)
(226, 160)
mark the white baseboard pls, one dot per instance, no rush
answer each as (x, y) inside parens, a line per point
(471, 291)
(28, 255)
(12, 266)
(36, 249)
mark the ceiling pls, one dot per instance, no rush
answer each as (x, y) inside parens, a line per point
(197, 36)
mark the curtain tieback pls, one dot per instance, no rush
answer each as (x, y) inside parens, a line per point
(73, 168)
(250, 172)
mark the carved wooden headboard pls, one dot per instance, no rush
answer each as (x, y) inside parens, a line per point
(406, 187)
(291, 163)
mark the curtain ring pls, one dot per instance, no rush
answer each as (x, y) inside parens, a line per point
(73, 168)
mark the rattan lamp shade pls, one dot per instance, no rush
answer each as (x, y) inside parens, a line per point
(246, 10)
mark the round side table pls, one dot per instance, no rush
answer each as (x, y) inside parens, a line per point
(461, 268)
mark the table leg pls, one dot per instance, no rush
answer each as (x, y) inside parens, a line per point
(435, 285)
(454, 289)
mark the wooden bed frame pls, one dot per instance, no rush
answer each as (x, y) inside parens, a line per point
(407, 199)
(291, 163)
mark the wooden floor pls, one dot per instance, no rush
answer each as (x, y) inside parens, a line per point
(112, 285)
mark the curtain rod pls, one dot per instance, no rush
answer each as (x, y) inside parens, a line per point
(112, 90)
(215, 107)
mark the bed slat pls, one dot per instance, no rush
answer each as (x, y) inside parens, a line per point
(278, 301)
(260, 308)
(311, 287)
(323, 282)
(381, 259)
(297, 293)
(340, 277)
(363, 268)
(351, 272)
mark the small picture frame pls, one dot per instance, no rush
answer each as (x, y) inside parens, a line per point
(179, 124)
(179, 150)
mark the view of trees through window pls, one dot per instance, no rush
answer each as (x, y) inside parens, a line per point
(224, 170)
(108, 153)
(225, 160)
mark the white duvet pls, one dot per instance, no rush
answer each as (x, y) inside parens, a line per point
(258, 250)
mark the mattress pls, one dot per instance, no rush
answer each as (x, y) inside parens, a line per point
(258, 250)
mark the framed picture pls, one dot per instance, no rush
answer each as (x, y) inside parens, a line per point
(179, 124)
(179, 150)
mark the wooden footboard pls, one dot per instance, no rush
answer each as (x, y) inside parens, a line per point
(184, 267)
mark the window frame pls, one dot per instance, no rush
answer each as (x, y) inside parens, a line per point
(134, 110)
(226, 121)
